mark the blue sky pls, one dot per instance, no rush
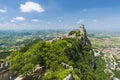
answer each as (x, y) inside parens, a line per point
(60, 14)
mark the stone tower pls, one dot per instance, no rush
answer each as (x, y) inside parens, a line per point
(82, 30)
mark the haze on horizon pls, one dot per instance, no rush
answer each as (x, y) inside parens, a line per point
(103, 15)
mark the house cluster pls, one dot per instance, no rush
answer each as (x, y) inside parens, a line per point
(82, 33)
(61, 37)
(109, 55)
(113, 51)
(112, 62)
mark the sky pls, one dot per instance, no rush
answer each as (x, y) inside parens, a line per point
(103, 15)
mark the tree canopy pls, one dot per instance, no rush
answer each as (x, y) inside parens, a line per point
(50, 55)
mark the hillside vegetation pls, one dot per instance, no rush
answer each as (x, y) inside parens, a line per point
(58, 59)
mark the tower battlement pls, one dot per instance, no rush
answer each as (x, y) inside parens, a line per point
(83, 30)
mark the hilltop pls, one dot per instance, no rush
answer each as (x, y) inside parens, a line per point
(68, 57)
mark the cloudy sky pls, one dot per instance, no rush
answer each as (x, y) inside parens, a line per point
(60, 14)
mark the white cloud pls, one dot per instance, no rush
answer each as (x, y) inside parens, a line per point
(6, 24)
(12, 26)
(35, 20)
(31, 7)
(3, 10)
(18, 19)
(80, 21)
(95, 20)
(49, 23)
(59, 21)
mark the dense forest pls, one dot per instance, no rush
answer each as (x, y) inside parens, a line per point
(58, 59)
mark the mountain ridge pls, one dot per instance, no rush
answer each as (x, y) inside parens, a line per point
(62, 57)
